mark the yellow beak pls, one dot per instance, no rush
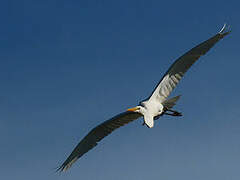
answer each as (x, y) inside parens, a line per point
(133, 109)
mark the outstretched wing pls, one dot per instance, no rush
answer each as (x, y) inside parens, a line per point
(174, 74)
(96, 135)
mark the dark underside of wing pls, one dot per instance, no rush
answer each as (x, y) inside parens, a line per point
(96, 135)
(182, 64)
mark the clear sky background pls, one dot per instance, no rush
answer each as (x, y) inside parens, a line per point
(67, 66)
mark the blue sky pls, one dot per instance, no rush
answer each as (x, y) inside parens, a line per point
(67, 66)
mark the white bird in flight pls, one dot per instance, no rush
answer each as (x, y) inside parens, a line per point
(151, 108)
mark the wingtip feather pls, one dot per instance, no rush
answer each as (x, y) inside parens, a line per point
(225, 29)
(65, 166)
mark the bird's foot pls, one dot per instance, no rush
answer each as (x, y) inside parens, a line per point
(177, 113)
(174, 113)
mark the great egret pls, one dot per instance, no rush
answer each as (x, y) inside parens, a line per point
(152, 108)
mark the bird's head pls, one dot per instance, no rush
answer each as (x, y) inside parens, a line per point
(138, 109)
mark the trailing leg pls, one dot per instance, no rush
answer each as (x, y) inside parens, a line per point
(174, 113)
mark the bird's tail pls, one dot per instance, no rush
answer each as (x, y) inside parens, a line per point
(169, 103)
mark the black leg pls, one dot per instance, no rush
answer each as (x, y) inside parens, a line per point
(171, 110)
(175, 113)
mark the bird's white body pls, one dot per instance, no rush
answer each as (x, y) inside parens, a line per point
(151, 109)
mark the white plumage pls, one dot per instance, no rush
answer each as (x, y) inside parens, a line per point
(152, 108)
